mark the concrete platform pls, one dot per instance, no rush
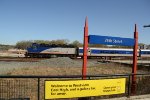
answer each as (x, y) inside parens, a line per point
(11, 55)
(140, 62)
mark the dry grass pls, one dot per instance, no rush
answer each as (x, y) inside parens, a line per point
(107, 68)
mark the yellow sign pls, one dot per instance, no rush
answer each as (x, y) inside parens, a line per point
(83, 88)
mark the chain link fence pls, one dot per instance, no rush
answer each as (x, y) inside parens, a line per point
(32, 87)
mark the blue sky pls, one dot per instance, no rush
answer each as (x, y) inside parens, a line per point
(64, 19)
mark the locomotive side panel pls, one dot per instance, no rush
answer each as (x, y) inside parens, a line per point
(59, 51)
(43, 51)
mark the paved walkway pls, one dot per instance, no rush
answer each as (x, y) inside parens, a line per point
(140, 97)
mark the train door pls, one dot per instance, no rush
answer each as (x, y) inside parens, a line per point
(89, 52)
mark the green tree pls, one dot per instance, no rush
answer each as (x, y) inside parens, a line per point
(76, 43)
(59, 42)
(42, 41)
(23, 44)
(98, 45)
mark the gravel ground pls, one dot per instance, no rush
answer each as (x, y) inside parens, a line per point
(6, 67)
(61, 66)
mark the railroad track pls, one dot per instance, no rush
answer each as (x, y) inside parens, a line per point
(16, 59)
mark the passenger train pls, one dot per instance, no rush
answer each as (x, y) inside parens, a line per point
(38, 50)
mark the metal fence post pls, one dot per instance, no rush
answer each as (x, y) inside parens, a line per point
(38, 88)
(129, 86)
